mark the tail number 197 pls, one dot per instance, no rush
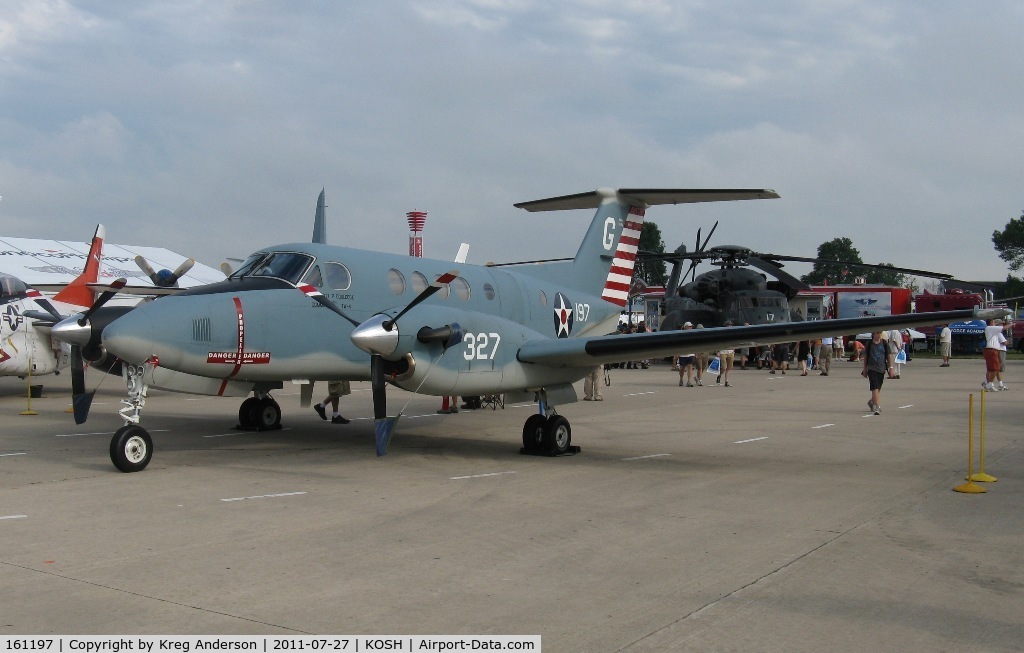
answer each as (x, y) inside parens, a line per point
(481, 346)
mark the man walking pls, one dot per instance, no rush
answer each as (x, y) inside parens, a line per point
(877, 362)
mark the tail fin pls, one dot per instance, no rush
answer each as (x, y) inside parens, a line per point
(320, 220)
(78, 292)
(604, 262)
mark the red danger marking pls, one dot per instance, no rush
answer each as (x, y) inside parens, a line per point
(232, 358)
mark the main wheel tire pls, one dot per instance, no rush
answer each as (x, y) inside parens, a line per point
(247, 413)
(266, 414)
(557, 435)
(131, 448)
(533, 432)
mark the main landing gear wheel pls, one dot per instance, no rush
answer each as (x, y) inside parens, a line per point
(533, 433)
(547, 436)
(259, 414)
(131, 448)
(557, 435)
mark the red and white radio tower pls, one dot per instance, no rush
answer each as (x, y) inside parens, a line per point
(417, 220)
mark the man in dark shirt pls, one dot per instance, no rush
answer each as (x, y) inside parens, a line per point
(877, 361)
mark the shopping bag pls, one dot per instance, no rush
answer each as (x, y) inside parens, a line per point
(714, 365)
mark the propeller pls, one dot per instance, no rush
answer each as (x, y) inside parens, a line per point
(164, 278)
(378, 336)
(77, 331)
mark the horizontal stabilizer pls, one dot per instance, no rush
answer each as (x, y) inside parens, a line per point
(648, 197)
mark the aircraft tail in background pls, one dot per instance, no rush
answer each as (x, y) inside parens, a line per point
(78, 293)
(320, 220)
(604, 262)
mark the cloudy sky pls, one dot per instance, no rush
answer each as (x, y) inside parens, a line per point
(210, 127)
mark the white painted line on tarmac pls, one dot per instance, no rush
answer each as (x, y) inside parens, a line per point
(459, 478)
(763, 437)
(822, 426)
(13, 516)
(240, 432)
(907, 406)
(74, 435)
(653, 455)
(637, 394)
(23, 453)
(266, 496)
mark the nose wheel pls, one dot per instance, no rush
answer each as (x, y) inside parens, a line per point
(131, 448)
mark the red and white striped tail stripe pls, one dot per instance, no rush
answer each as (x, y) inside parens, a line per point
(616, 288)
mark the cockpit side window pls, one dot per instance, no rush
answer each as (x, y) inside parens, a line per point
(282, 265)
(313, 277)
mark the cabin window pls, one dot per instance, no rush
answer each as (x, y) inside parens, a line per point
(337, 276)
(461, 287)
(488, 291)
(396, 281)
(419, 282)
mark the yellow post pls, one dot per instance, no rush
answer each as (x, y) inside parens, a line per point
(970, 487)
(981, 476)
(28, 392)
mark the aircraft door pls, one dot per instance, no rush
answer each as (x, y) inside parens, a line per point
(510, 293)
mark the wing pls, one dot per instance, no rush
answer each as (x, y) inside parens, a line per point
(584, 352)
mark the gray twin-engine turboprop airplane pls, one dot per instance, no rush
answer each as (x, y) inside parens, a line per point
(314, 312)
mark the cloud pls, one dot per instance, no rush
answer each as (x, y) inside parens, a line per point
(210, 128)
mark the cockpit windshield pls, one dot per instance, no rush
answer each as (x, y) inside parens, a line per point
(248, 264)
(11, 287)
(280, 265)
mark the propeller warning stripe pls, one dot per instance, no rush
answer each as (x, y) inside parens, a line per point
(445, 278)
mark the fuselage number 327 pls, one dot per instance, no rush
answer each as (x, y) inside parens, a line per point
(481, 346)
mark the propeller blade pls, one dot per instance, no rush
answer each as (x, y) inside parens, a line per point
(80, 399)
(710, 234)
(147, 268)
(777, 272)
(441, 280)
(379, 387)
(48, 307)
(185, 266)
(104, 297)
(383, 426)
(316, 295)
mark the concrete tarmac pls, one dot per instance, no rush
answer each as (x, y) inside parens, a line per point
(773, 515)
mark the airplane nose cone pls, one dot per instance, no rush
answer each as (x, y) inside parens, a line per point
(372, 337)
(70, 331)
(127, 338)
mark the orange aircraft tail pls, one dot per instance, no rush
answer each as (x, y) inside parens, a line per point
(78, 292)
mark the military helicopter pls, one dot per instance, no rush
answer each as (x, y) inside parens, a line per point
(735, 292)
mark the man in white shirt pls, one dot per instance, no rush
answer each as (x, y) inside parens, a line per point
(945, 345)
